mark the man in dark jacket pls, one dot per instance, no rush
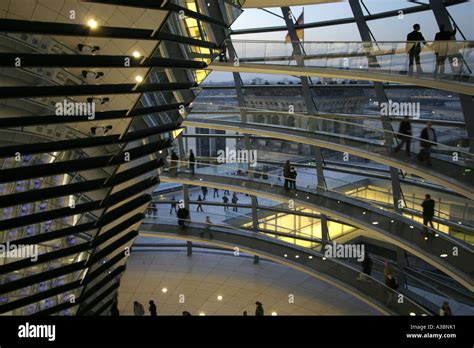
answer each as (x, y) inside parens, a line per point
(287, 174)
(441, 47)
(174, 162)
(259, 312)
(414, 40)
(192, 161)
(428, 139)
(404, 135)
(428, 210)
(183, 216)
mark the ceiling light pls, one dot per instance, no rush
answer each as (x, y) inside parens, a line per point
(136, 54)
(443, 255)
(375, 223)
(274, 314)
(164, 290)
(285, 255)
(310, 257)
(412, 314)
(324, 258)
(139, 78)
(219, 298)
(202, 314)
(297, 256)
(92, 24)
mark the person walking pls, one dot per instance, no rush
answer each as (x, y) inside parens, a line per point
(204, 192)
(192, 162)
(445, 310)
(442, 48)
(225, 199)
(259, 312)
(235, 199)
(152, 308)
(173, 205)
(286, 174)
(138, 309)
(428, 206)
(366, 268)
(199, 207)
(216, 193)
(414, 40)
(292, 178)
(428, 140)
(404, 135)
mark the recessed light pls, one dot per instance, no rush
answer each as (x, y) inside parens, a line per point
(436, 235)
(92, 24)
(139, 78)
(375, 223)
(412, 314)
(164, 290)
(364, 213)
(136, 54)
(426, 238)
(202, 314)
(219, 298)
(297, 256)
(310, 257)
(324, 258)
(443, 255)
(274, 314)
(412, 226)
(286, 255)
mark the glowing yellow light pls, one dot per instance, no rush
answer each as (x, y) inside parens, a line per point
(139, 78)
(92, 24)
(136, 54)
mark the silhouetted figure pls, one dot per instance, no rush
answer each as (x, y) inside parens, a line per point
(428, 211)
(235, 199)
(152, 308)
(208, 228)
(442, 48)
(183, 216)
(225, 199)
(204, 192)
(404, 135)
(445, 310)
(292, 178)
(173, 205)
(286, 174)
(186, 314)
(114, 311)
(227, 192)
(199, 207)
(414, 40)
(174, 162)
(259, 312)
(216, 193)
(366, 268)
(392, 285)
(244, 313)
(192, 162)
(138, 309)
(428, 140)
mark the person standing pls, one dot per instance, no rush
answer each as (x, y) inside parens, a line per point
(292, 178)
(225, 199)
(183, 216)
(428, 206)
(192, 162)
(204, 192)
(445, 310)
(235, 199)
(414, 40)
(428, 140)
(286, 174)
(216, 193)
(404, 135)
(441, 49)
(174, 162)
(138, 309)
(259, 312)
(199, 207)
(366, 268)
(173, 205)
(152, 308)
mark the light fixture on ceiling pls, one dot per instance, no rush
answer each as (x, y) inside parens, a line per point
(219, 298)
(139, 78)
(136, 54)
(92, 24)
(164, 290)
(274, 314)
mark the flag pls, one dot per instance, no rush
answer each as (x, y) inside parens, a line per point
(299, 32)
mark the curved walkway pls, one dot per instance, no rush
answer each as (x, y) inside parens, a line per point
(458, 257)
(449, 174)
(362, 74)
(311, 262)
